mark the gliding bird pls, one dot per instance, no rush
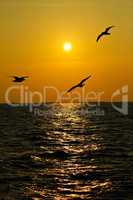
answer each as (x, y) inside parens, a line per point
(106, 32)
(81, 84)
(19, 79)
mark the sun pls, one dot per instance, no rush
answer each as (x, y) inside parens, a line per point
(67, 46)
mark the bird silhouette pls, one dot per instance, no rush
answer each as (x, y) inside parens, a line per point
(106, 32)
(81, 84)
(19, 79)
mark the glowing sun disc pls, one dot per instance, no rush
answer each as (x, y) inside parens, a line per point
(67, 46)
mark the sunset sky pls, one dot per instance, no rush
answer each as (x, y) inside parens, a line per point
(33, 32)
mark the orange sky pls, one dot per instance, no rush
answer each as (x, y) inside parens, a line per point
(32, 34)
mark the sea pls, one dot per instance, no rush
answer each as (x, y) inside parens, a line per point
(62, 151)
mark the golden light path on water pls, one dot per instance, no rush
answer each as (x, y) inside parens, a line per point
(70, 165)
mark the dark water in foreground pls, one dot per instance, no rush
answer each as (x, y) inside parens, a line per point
(66, 155)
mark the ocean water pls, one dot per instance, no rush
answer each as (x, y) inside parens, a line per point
(66, 152)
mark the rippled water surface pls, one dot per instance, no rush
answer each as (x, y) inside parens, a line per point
(65, 154)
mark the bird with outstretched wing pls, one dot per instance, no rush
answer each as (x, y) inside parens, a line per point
(106, 32)
(79, 84)
(18, 79)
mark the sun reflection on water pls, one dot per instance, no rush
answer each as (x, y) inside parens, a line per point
(69, 169)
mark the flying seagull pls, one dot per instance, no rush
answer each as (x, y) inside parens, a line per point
(81, 84)
(106, 32)
(19, 79)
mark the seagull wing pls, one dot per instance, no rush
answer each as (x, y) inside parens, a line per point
(25, 77)
(107, 29)
(15, 77)
(99, 36)
(84, 80)
(72, 88)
